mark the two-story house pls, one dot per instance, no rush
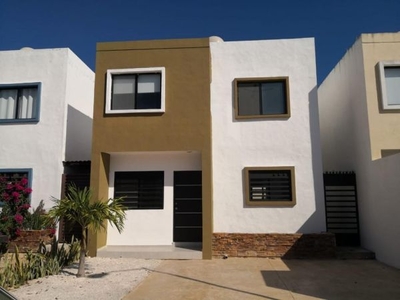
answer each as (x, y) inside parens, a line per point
(359, 104)
(209, 141)
(46, 105)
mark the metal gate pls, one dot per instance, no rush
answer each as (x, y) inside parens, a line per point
(341, 207)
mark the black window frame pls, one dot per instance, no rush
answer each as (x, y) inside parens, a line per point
(269, 186)
(141, 180)
(259, 81)
(135, 95)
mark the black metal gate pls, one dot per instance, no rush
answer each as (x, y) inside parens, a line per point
(187, 206)
(341, 207)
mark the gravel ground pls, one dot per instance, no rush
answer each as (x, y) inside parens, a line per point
(106, 279)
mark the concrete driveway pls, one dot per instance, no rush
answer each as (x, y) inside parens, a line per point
(257, 278)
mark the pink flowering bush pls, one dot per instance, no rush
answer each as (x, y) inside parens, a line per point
(15, 198)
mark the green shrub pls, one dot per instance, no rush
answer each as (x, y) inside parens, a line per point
(38, 219)
(17, 271)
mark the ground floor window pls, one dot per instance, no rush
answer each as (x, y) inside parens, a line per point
(141, 190)
(270, 186)
(13, 175)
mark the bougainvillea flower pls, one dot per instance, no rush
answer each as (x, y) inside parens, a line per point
(5, 197)
(25, 206)
(24, 181)
(18, 218)
(19, 187)
(27, 191)
(15, 195)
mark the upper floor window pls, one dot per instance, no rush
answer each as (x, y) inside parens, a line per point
(389, 73)
(262, 97)
(135, 91)
(19, 102)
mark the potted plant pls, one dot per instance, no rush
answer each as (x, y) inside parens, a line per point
(23, 228)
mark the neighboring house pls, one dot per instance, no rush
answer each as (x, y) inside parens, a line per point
(359, 104)
(209, 141)
(46, 105)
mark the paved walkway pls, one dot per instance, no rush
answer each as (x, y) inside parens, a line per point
(252, 278)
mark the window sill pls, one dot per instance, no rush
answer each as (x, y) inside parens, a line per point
(283, 116)
(18, 121)
(270, 203)
(134, 111)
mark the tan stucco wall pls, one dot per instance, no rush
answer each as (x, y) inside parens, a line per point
(185, 125)
(353, 133)
(384, 126)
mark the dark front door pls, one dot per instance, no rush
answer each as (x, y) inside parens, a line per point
(187, 206)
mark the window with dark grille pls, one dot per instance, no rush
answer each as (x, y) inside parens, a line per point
(14, 175)
(262, 97)
(141, 190)
(270, 186)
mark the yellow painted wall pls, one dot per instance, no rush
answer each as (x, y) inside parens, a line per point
(185, 125)
(384, 126)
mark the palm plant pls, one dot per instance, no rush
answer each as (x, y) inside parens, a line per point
(78, 206)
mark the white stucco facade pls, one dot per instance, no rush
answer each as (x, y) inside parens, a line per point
(273, 142)
(355, 134)
(150, 227)
(66, 102)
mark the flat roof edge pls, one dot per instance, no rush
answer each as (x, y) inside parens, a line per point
(154, 44)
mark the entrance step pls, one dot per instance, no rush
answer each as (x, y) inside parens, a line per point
(185, 251)
(354, 253)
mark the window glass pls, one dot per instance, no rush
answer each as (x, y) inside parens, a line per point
(8, 103)
(149, 91)
(392, 79)
(262, 97)
(123, 96)
(249, 99)
(273, 98)
(26, 103)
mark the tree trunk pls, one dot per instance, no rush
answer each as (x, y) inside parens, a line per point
(81, 269)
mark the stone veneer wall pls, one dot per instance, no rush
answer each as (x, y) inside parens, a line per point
(29, 240)
(297, 245)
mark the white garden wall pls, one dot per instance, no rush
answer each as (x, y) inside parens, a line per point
(266, 142)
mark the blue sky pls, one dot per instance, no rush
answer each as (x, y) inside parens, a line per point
(80, 24)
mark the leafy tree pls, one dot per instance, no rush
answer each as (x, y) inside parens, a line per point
(79, 207)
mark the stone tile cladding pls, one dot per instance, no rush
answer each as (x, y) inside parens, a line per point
(296, 245)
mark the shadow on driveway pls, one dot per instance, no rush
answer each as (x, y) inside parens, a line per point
(259, 278)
